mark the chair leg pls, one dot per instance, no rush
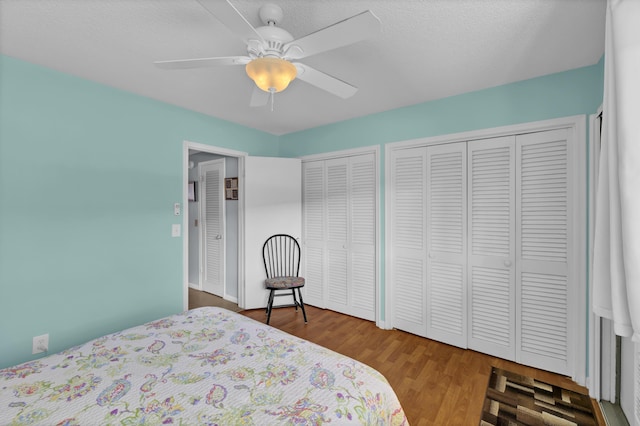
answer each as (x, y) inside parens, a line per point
(266, 311)
(295, 301)
(272, 294)
(270, 305)
(302, 306)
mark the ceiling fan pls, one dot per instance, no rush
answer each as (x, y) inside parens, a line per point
(271, 50)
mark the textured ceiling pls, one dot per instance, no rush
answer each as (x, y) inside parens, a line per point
(426, 50)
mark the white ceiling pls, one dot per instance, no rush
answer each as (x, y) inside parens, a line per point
(426, 50)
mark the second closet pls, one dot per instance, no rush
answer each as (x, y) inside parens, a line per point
(340, 232)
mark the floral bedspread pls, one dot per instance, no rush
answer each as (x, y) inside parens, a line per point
(206, 366)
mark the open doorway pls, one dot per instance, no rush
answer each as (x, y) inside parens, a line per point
(194, 261)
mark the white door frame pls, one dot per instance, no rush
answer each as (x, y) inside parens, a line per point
(595, 332)
(186, 146)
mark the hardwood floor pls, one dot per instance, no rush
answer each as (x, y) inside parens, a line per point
(437, 384)
(202, 298)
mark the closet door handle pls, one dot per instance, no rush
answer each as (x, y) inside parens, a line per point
(507, 263)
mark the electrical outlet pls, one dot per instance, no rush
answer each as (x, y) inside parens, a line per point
(40, 344)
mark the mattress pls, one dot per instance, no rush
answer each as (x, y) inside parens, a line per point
(207, 366)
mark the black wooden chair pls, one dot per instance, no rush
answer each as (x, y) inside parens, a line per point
(281, 255)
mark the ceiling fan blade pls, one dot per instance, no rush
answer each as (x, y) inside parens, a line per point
(325, 81)
(259, 97)
(202, 62)
(226, 13)
(351, 30)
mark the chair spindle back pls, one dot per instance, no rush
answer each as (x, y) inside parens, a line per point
(281, 255)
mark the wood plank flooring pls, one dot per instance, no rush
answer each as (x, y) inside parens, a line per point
(202, 298)
(437, 384)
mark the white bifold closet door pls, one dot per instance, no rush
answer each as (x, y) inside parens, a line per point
(491, 197)
(428, 239)
(313, 228)
(336, 240)
(545, 251)
(519, 242)
(408, 239)
(339, 211)
(363, 205)
(447, 243)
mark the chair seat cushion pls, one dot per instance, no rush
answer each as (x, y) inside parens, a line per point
(284, 282)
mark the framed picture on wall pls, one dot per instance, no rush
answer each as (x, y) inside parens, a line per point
(231, 188)
(191, 191)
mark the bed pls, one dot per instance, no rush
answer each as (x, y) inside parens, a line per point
(206, 366)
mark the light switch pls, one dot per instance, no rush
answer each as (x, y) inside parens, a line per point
(176, 209)
(175, 230)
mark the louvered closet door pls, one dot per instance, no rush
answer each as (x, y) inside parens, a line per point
(336, 235)
(362, 236)
(212, 213)
(447, 240)
(340, 234)
(408, 198)
(491, 277)
(543, 251)
(313, 226)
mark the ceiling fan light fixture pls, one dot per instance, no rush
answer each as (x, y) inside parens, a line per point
(271, 74)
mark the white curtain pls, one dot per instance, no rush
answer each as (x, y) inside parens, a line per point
(616, 263)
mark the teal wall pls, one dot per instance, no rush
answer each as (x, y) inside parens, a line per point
(563, 94)
(88, 178)
(89, 175)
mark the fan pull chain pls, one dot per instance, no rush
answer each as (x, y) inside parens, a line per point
(272, 95)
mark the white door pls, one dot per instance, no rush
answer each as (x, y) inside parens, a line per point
(492, 290)
(407, 196)
(544, 236)
(362, 236)
(314, 196)
(447, 243)
(336, 235)
(212, 214)
(273, 205)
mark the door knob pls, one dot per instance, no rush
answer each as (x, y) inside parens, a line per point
(218, 237)
(507, 263)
